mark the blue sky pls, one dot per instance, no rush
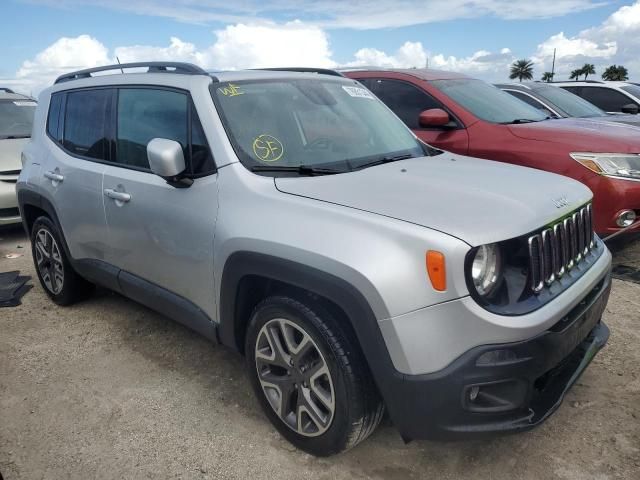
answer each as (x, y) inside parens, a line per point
(481, 37)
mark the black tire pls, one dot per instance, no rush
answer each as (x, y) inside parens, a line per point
(68, 288)
(358, 407)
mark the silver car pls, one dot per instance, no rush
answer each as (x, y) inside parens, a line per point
(291, 216)
(16, 119)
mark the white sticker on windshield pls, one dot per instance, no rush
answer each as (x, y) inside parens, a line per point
(358, 92)
(25, 104)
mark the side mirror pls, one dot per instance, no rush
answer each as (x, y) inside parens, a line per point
(631, 108)
(434, 117)
(167, 161)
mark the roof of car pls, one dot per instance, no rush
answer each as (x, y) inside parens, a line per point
(595, 83)
(10, 95)
(421, 73)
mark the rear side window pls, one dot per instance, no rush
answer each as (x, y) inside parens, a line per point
(607, 99)
(145, 114)
(53, 118)
(406, 101)
(85, 123)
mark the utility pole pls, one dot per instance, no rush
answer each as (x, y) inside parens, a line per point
(553, 65)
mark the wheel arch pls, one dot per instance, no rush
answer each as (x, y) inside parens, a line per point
(248, 277)
(33, 205)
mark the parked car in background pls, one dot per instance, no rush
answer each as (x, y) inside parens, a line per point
(471, 117)
(612, 97)
(560, 103)
(293, 218)
(16, 119)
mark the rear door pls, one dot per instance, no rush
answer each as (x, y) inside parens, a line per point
(72, 171)
(160, 233)
(407, 101)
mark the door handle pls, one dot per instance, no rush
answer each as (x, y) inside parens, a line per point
(115, 195)
(56, 177)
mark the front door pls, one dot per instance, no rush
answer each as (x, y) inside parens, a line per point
(157, 232)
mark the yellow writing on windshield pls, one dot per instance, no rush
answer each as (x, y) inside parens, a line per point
(230, 90)
(268, 148)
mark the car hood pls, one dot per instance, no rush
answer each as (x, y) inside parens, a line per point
(478, 201)
(585, 135)
(10, 153)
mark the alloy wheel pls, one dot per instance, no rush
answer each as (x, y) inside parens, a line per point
(49, 261)
(295, 377)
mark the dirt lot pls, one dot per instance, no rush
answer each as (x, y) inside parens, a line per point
(110, 389)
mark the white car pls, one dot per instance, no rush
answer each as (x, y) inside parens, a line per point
(612, 97)
(16, 120)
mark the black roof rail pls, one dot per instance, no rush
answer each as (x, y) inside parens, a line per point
(6, 90)
(322, 71)
(573, 80)
(152, 67)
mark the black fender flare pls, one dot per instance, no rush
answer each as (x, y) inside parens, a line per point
(30, 198)
(340, 292)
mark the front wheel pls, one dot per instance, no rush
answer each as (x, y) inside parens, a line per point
(310, 377)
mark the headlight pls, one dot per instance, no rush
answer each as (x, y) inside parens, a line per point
(486, 268)
(626, 165)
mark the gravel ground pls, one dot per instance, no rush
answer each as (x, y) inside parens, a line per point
(110, 389)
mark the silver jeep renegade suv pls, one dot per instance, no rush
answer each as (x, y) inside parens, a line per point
(289, 215)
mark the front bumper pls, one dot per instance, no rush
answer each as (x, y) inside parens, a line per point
(9, 213)
(503, 388)
(610, 197)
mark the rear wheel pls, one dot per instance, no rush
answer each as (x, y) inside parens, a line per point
(310, 377)
(58, 278)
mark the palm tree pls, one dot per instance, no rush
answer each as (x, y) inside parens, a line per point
(576, 74)
(588, 69)
(616, 73)
(522, 70)
(547, 77)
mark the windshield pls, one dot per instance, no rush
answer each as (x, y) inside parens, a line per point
(319, 123)
(16, 118)
(572, 104)
(488, 102)
(633, 90)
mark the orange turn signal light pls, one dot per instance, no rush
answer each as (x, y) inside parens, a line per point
(437, 270)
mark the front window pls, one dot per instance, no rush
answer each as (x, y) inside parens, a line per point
(289, 123)
(487, 102)
(16, 118)
(573, 105)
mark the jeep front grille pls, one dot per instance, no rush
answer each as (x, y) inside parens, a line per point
(559, 248)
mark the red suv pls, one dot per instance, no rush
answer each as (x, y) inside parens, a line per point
(471, 117)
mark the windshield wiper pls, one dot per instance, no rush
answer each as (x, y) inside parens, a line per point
(385, 159)
(299, 169)
(520, 120)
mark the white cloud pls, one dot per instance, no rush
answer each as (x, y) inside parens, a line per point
(296, 43)
(236, 46)
(358, 14)
(61, 56)
(411, 54)
(177, 51)
(616, 40)
(270, 45)
(488, 65)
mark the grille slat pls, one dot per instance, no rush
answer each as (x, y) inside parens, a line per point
(556, 250)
